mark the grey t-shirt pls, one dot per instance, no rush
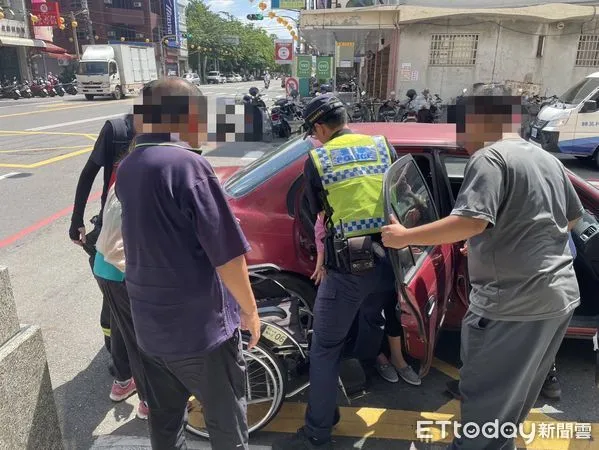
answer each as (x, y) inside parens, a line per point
(521, 265)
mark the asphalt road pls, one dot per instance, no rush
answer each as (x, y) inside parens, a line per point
(44, 143)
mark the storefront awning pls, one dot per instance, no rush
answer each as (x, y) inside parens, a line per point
(52, 48)
(63, 56)
(21, 42)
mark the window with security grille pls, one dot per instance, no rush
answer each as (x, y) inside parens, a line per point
(588, 50)
(453, 49)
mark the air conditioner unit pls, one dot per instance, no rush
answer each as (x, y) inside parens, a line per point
(111, 34)
(139, 35)
(137, 4)
(108, 2)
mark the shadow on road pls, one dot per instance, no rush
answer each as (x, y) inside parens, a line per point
(83, 404)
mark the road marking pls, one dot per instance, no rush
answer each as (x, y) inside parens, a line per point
(29, 104)
(45, 162)
(254, 154)
(19, 150)
(87, 105)
(42, 223)
(138, 442)
(75, 122)
(9, 175)
(91, 137)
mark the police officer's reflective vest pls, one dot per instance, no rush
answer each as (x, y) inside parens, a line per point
(351, 168)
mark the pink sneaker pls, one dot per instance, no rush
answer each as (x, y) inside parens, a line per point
(120, 392)
(143, 411)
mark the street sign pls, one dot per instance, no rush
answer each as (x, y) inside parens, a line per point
(48, 14)
(324, 67)
(283, 51)
(291, 84)
(344, 54)
(304, 66)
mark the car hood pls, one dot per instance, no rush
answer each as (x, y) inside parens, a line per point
(552, 112)
(223, 173)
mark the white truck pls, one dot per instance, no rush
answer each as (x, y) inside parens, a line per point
(116, 69)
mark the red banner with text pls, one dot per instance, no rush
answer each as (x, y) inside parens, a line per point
(48, 14)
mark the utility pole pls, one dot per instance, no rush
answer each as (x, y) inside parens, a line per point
(75, 40)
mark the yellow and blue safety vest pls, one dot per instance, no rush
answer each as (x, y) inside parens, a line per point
(351, 168)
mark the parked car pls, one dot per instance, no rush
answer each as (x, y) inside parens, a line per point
(214, 77)
(238, 78)
(193, 78)
(267, 197)
(231, 78)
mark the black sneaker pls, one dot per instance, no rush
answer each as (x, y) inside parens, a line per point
(301, 441)
(552, 388)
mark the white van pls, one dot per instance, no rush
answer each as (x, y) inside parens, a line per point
(571, 125)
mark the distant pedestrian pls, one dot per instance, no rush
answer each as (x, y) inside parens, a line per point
(515, 208)
(186, 272)
(113, 141)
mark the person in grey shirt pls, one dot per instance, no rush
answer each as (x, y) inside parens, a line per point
(515, 208)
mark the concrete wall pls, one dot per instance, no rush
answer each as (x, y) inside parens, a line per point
(503, 54)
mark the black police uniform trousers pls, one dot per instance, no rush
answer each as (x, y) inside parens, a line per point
(340, 298)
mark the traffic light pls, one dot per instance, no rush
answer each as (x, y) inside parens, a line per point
(255, 17)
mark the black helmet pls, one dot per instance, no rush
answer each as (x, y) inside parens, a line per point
(254, 91)
(318, 108)
(247, 98)
(411, 93)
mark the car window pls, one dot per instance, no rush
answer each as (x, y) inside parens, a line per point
(256, 173)
(411, 202)
(455, 166)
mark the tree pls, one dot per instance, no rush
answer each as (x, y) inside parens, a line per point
(208, 49)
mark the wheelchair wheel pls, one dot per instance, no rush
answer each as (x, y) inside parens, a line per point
(266, 382)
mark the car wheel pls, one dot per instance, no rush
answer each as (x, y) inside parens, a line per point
(118, 94)
(89, 97)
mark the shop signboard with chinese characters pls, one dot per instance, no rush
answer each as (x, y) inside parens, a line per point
(304, 66)
(344, 54)
(284, 51)
(48, 14)
(288, 4)
(324, 67)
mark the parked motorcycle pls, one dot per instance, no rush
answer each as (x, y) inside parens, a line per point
(261, 115)
(10, 90)
(285, 112)
(38, 88)
(55, 82)
(25, 90)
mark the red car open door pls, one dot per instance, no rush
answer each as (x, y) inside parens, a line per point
(423, 274)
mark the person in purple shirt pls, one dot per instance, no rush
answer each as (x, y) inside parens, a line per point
(186, 272)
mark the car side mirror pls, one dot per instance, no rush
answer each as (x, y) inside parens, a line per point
(589, 106)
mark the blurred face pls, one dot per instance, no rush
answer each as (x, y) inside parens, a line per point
(482, 129)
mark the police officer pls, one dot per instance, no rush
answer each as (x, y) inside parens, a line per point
(344, 182)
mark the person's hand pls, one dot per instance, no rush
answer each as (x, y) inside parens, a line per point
(320, 271)
(394, 235)
(77, 234)
(251, 322)
(412, 217)
(464, 250)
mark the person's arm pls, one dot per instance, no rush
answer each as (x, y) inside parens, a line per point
(319, 235)
(574, 207)
(313, 188)
(84, 186)
(220, 236)
(476, 208)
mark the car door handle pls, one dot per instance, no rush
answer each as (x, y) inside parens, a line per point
(430, 306)
(437, 259)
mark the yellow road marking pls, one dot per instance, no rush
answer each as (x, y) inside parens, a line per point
(58, 133)
(87, 105)
(395, 424)
(19, 150)
(47, 161)
(446, 368)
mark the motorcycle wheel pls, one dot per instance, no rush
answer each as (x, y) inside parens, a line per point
(61, 93)
(285, 130)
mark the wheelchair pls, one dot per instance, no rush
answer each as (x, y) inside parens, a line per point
(277, 368)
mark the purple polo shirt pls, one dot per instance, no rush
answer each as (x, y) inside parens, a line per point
(177, 227)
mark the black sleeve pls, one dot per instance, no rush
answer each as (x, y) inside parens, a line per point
(98, 154)
(107, 144)
(84, 187)
(313, 189)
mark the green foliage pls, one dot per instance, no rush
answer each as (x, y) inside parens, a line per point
(207, 28)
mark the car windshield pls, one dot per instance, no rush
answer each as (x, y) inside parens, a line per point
(580, 91)
(212, 74)
(93, 68)
(256, 173)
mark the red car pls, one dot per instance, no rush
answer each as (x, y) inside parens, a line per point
(267, 197)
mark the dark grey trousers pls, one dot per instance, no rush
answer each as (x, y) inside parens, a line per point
(504, 367)
(125, 351)
(216, 379)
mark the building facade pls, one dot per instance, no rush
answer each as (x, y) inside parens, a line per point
(16, 40)
(544, 47)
